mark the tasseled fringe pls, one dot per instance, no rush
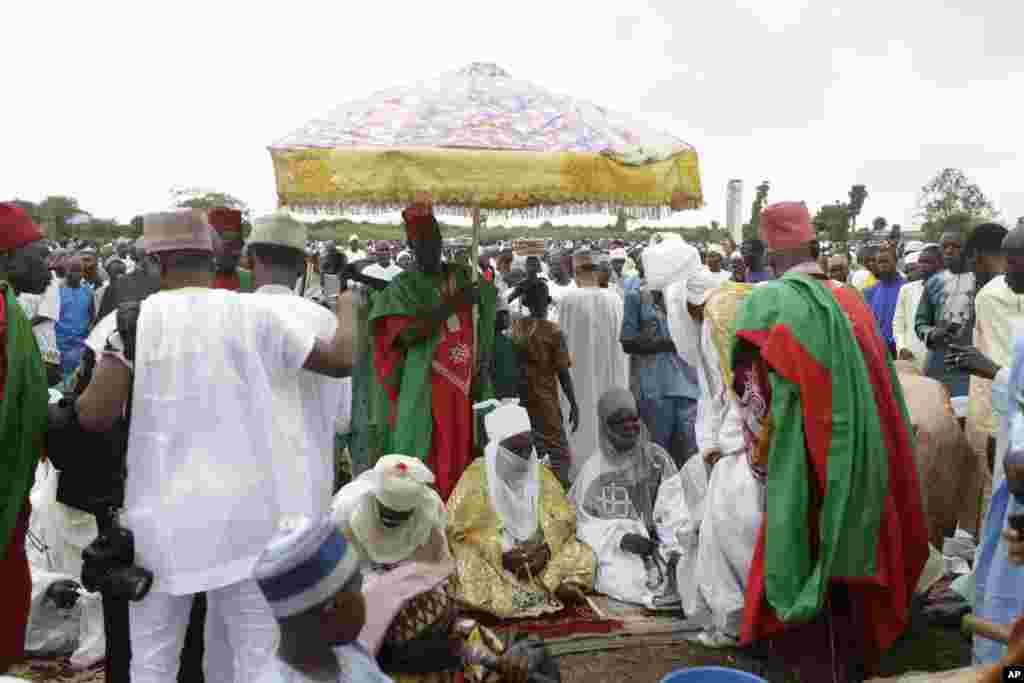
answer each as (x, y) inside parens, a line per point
(646, 213)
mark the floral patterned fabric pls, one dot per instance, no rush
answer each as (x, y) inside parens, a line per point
(478, 137)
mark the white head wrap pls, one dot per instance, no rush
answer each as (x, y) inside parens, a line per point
(512, 481)
(675, 265)
(668, 262)
(507, 420)
(400, 483)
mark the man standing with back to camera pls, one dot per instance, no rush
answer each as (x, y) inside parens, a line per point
(23, 399)
(200, 496)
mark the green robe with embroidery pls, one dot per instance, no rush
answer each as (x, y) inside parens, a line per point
(415, 294)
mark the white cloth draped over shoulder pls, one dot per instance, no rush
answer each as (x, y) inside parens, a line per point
(514, 486)
(591, 320)
(719, 424)
(203, 493)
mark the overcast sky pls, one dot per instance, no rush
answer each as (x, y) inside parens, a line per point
(116, 102)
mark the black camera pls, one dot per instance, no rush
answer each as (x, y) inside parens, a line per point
(96, 484)
(108, 564)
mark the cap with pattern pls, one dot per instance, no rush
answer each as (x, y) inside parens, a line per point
(180, 230)
(305, 564)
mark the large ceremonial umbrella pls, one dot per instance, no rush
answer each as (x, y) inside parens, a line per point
(479, 139)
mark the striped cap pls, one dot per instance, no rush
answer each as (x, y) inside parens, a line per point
(181, 230)
(304, 565)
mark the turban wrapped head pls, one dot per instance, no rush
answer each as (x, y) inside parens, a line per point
(16, 228)
(786, 225)
(420, 222)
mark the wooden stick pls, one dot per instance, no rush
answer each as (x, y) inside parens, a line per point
(597, 610)
(986, 629)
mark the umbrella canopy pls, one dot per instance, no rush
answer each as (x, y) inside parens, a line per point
(478, 138)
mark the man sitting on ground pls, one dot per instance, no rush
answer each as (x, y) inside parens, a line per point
(512, 530)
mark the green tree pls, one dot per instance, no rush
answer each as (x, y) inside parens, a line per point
(54, 212)
(834, 221)
(204, 198)
(858, 194)
(752, 229)
(951, 200)
(135, 227)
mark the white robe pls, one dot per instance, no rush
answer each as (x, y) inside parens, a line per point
(728, 533)
(903, 322)
(591, 319)
(677, 510)
(719, 425)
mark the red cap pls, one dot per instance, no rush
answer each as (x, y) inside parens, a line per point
(16, 228)
(419, 220)
(786, 225)
(227, 222)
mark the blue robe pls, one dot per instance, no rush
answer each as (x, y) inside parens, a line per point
(999, 585)
(882, 299)
(72, 328)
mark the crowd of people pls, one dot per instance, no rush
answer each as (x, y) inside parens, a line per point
(352, 459)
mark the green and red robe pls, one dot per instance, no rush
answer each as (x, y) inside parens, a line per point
(23, 405)
(843, 505)
(431, 384)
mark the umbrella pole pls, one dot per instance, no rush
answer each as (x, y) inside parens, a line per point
(474, 267)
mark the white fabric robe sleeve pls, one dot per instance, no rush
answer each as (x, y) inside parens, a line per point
(729, 529)
(719, 426)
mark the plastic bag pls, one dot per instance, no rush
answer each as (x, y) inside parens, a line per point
(51, 631)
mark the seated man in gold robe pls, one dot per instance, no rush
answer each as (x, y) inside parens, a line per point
(512, 530)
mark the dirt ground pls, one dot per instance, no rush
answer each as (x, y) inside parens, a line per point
(923, 649)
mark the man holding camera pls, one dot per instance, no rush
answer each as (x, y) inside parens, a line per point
(23, 399)
(201, 496)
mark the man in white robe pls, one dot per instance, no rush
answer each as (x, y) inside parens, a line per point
(591, 318)
(909, 346)
(731, 517)
(305, 411)
(638, 513)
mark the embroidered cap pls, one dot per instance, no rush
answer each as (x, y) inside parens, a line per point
(304, 565)
(181, 230)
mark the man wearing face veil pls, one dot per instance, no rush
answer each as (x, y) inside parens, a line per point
(512, 530)
(427, 355)
(635, 509)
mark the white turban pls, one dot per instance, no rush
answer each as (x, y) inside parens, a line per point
(668, 262)
(507, 420)
(402, 483)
